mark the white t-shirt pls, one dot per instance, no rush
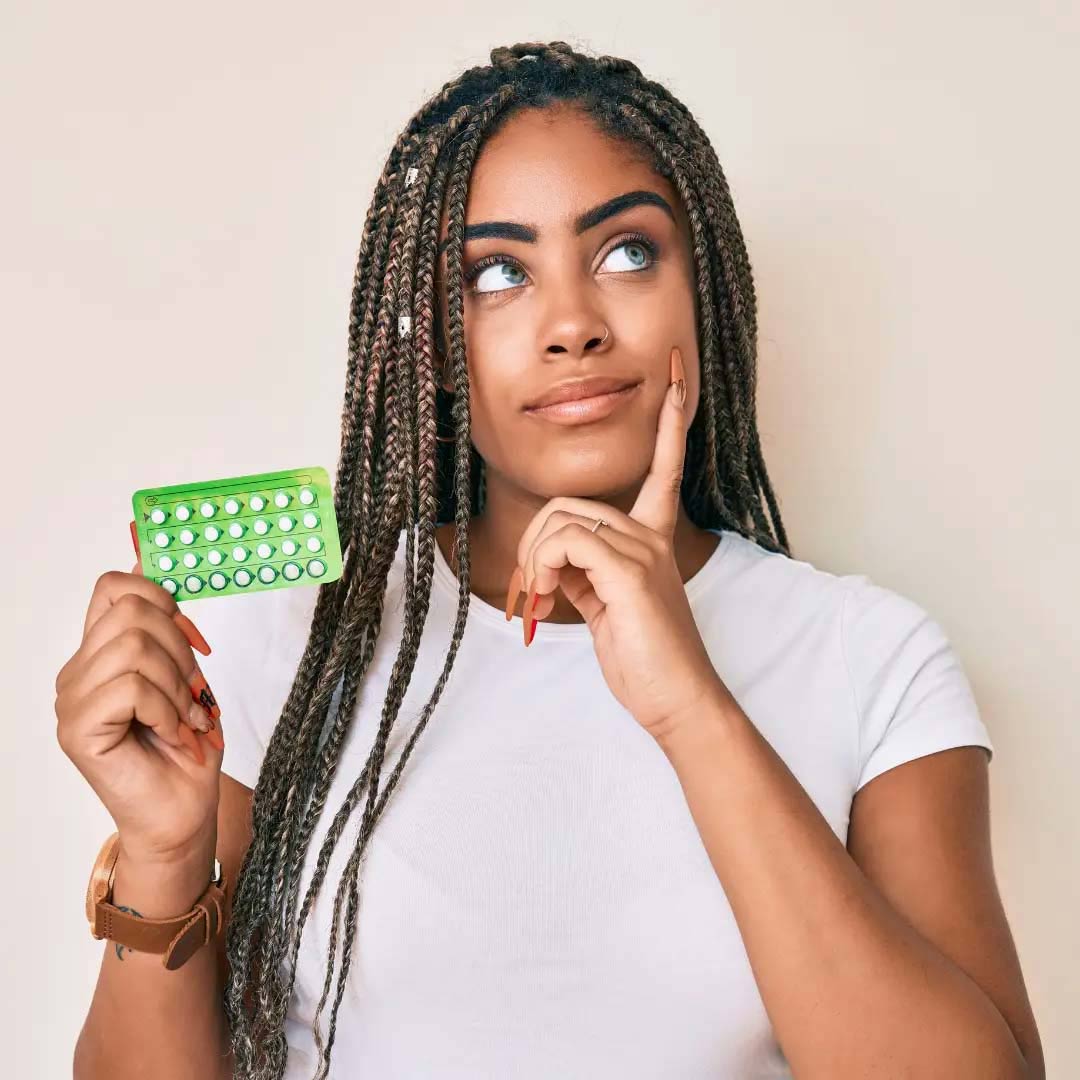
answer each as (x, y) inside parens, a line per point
(536, 900)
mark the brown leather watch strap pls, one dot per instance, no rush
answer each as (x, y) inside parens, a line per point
(176, 938)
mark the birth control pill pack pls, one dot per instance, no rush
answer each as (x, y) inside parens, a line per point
(238, 534)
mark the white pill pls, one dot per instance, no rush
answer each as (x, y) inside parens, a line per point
(212, 533)
(267, 574)
(307, 496)
(261, 526)
(166, 562)
(208, 509)
(242, 577)
(240, 553)
(158, 516)
(161, 539)
(236, 530)
(191, 560)
(257, 503)
(314, 543)
(316, 568)
(311, 520)
(214, 557)
(291, 571)
(169, 585)
(285, 523)
(182, 512)
(232, 506)
(289, 547)
(218, 580)
(193, 584)
(187, 536)
(281, 500)
(264, 550)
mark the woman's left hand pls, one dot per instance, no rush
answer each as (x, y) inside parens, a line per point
(624, 580)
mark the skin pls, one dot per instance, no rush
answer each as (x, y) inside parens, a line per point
(905, 921)
(905, 925)
(545, 323)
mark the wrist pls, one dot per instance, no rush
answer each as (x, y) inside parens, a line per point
(714, 717)
(159, 887)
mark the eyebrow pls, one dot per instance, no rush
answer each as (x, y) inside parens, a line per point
(528, 234)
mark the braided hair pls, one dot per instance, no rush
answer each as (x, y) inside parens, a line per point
(394, 473)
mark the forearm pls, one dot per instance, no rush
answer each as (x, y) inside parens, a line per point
(145, 1020)
(851, 988)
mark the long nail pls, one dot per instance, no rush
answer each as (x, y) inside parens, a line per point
(191, 741)
(191, 632)
(199, 718)
(678, 372)
(201, 692)
(215, 738)
(526, 611)
(513, 592)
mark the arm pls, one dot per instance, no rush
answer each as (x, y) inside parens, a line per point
(145, 1020)
(890, 981)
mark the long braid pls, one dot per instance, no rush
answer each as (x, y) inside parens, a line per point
(393, 473)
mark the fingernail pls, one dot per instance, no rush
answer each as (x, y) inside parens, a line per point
(199, 718)
(191, 741)
(513, 592)
(201, 692)
(215, 738)
(191, 632)
(678, 375)
(528, 609)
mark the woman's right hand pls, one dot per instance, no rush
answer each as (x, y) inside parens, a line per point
(128, 720)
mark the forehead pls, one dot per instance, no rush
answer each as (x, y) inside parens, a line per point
(546, 166)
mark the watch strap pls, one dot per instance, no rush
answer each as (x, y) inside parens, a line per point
(176, 938)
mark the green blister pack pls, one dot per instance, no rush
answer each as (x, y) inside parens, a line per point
(238, 534)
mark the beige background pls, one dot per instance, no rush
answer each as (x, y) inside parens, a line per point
(182, 200)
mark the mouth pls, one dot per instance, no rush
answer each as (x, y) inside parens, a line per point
(585, 410)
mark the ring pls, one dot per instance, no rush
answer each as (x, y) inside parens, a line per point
(599, 522)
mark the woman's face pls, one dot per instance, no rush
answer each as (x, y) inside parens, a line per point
(536, 312)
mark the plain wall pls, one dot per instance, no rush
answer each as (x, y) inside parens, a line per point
(183, 195)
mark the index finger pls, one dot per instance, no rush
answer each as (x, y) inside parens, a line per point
(657, 504)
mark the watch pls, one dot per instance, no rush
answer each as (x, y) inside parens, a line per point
(176, 939)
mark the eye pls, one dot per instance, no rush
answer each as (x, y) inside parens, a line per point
(506, 273)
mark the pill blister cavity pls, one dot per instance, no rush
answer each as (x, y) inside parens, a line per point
(182, 512)
(316, 568)
(193, 583)
(282, 499)
(291, 571)
(285, 523)
(261, 526)
(314, 543)
(212, 533)
(187, 536)
(232, 506)
(242, 578)
(239, 553)
(214, 557)
(267, 574)
(289, 547)
(191, 560)
(158, 516)
(307, 496)
(257, 503)
(166, 563)
(207, 509)
(218, 580)
(162, 539)
(264, 550)
(311, 520)
(236, 530)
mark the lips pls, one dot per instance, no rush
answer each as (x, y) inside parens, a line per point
(575, 390)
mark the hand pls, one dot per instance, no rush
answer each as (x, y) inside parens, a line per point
(624, 580)
(128, 712)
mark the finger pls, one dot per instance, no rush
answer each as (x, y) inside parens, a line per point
(607, 562)
(131, 698)
(132, 611)
(657, 504)
(135, 649)
(114, 584)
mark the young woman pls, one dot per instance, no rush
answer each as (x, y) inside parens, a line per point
(725, 815)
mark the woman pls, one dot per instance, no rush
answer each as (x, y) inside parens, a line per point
(725, 816)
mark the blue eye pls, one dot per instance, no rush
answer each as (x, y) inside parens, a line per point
(640, 251)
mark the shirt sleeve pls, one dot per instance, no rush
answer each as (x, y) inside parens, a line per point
(912, 696)
(257, 641)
